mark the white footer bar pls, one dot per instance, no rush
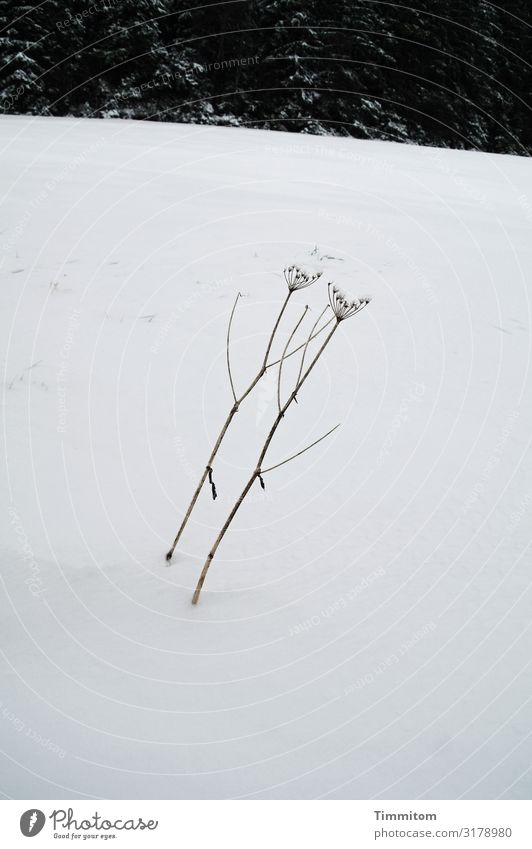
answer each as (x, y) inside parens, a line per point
(268, 824)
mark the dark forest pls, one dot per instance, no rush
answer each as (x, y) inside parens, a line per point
(443, 72)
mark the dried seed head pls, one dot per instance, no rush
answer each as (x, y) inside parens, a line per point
(296, 278)
(342, 306)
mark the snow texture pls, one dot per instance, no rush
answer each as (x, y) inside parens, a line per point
(364, 631)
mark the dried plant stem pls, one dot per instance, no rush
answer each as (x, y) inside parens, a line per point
(229, 419)
(257, 471)
(281, 361)
(299, 453)
(307, 343)
(228, 344)
(275, 327)
(303, 344)
(203, 478)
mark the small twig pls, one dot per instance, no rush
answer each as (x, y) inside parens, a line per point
(281, 361)
(303, 344)
(274, 331)
(307, 343)
(238, 295)
(213, 486)
(21, 375)
(312, 444)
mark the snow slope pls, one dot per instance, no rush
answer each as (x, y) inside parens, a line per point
(365, 629)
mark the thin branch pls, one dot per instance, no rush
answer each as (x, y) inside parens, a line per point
(307, 343)
(238, 295)
(281, 361)
(232, 412)
(274, 331)
(312, 444)
(276, 362)
(313, 363)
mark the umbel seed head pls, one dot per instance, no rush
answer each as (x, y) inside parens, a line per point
(342, 306)
(296, 278)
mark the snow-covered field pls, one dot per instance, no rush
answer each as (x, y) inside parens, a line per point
(365, 629)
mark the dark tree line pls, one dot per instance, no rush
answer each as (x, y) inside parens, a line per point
(440, 72)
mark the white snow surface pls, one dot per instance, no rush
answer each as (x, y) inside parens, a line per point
(364, 631)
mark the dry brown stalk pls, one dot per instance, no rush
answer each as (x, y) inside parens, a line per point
(296, 279)
(342, 309)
